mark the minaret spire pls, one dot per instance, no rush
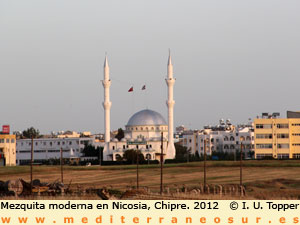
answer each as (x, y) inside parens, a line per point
(170, 104)
(170, 66)
(106, 82)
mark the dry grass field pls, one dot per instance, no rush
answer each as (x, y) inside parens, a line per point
(262, 179)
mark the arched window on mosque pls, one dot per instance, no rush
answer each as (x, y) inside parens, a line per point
(118, 157)
(148, 156)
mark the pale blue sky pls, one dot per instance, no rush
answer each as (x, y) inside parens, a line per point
(232, 59)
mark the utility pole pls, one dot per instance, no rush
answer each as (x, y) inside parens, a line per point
(204, 164)
(161, 162)
(61, 165)
(137, 169)
(31, 162)
(241, 168)
(100, 157)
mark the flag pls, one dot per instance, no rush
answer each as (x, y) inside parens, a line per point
(144, 87)
(131, 89)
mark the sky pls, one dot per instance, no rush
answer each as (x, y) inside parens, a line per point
(232, 59)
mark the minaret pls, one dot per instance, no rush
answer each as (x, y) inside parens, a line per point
(170, 104)
(106, 82)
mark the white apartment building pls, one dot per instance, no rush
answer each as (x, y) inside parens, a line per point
(49, 148)
(224, 137)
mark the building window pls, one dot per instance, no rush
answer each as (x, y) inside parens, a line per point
(190, 140)
(124, 146)
(262, 156)
(7, 140)
(148, 156)
(225, 138)
(63, 143)
(282, 135)
(283, 125)
(113, 147)
(283, 156)
(1, 140)
(296, 124)
(231, 138)
(263, 126)
(36, 143)
(58, 143)
(70, 143)
(50, 143)
(44, 143)
(263, 146)
(12, 140)
(264, 136)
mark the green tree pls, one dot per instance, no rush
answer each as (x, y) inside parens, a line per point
(92, 151)
(181, 152)
(131, 156)
(120, 134)
(31, 133)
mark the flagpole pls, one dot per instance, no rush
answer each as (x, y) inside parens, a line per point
(132, 107)
(132, 100)
(146, 97)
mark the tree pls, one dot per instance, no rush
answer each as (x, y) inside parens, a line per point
(91, 151)
(31, 133)
(181, 152)
(120, 134)
(131, 156)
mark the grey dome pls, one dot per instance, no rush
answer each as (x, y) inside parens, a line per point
(146, 117)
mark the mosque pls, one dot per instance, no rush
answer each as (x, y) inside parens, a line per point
(145, 130)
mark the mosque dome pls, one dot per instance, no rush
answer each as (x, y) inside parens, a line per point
(146, 117)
